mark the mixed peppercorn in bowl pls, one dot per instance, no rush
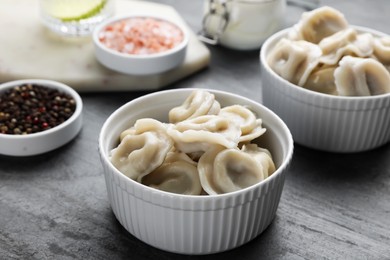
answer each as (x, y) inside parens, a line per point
(37, 116)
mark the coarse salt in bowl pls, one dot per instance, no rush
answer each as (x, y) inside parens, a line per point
(325, 122)
(140, 44)
(191, 224)
(44, 140)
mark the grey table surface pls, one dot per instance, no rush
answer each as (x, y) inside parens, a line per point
(334, 206)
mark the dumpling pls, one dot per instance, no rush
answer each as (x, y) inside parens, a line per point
(142, 151)
(250, 126)
(261, 155)
(334, 42)
(198, 134)
(150, 125)
(294, 60)
(322, 80)
(365, 45)
(199, 103)
(178, 174)
(361, 77)
(144, 125)
(129, 131)
(138, 155)
(318, 24)
(346, 42)
(224, 170)
(382, 50)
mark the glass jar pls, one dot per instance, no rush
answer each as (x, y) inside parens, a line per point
(241, 24)
(75, 17)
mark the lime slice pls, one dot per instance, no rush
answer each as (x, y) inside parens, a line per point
(72, 10)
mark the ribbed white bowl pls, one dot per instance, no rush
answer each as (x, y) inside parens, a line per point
(321, 121)
(193, 224)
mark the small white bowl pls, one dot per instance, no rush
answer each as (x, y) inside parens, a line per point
(193, 224)
(47, 140)
(140, 64)
(325, 122)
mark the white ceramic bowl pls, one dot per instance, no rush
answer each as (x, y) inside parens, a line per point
(138, 64)
(47, 140)
(321, 121)
(193, 224)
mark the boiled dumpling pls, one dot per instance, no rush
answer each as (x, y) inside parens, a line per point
(318, 24)
(129, 131)
(261, 155)
(138, 155)
(365, 45)
(338, 40)
(322, 80)
(382, 50)
(199, 103)
(150, 125)
(144, 125)
(198, 134)
(294, 60)
(143, 150)
(178, 174)
(250, 126)
(361, 77)
(224, 170)
(343, 43)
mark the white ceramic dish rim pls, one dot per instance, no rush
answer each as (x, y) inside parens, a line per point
(270, 42)
(177, 48)
(49, 84)
(160, 195)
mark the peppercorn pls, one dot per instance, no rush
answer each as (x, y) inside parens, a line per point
(32, 108)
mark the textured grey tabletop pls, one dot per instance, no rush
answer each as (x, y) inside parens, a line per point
(334, 206)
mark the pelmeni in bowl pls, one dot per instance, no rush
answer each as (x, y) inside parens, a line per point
(182, 176)
(329, 82)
